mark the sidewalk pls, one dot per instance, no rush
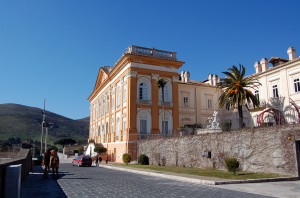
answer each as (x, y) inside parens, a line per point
(34, 185)
(193, 178)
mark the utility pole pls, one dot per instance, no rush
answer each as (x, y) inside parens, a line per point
(46, 134)
(43, 121)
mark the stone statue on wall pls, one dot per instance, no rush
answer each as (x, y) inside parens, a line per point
(214, 121)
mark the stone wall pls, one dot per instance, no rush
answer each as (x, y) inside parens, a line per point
(24, 157)
(268, 149)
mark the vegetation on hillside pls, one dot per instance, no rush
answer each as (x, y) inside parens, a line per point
(19, 123)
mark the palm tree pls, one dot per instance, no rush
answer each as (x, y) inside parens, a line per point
(161, 84)
(236, 90)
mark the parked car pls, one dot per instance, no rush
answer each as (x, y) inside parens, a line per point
(82, 161)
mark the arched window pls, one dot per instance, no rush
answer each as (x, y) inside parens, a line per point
(143, 123)
(143, 91)
(165, 122)
(167, 93)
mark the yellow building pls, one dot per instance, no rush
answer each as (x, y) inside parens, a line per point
(126, 104)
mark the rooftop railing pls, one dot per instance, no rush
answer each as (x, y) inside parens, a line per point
(151, 52)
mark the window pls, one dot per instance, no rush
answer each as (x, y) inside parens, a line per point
(98, 111)
(166, 94)
(256, 93)
(165, 127)
(209, 103)
(275, 91)
(143, 128)
(124, 124)
(124, 93)
(297, 85)
(107, 103)
(112, 102)
(103, 106)
(117, 129)
(118, 96)
(143, 91)
(106, 128)
(185, 101)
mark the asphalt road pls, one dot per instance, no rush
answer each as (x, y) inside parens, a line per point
(102, 182)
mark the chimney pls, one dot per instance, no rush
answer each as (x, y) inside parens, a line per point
(292, 53)
(264, 64)
(215, 80)
(187, 78)
(210, 79)
(257, 67)
(182, 76)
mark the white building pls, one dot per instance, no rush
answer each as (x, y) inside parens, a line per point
(279, 92)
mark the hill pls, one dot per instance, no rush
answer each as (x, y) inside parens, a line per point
(24, 122)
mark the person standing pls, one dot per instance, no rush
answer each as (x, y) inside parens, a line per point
(54, 163)
(106, 159)
(46, 163)
(96, 160)
(100, 159)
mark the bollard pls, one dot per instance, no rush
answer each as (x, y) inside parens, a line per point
(13, 181)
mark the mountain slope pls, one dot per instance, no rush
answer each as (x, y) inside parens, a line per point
(24, 121)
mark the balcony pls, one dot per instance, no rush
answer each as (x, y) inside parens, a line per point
(151, 52)
(144, 102)
(166, 104)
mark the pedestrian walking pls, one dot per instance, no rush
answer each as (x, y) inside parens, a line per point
(54, 163)
(46, 163)
(96, 160)
(100, 159)
(106, 159)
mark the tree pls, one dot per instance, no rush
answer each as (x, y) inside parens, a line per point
(100, 149)
(64, 142)
(236, 89)
(161, 84)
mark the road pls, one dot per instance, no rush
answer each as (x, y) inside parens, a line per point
(102, 182)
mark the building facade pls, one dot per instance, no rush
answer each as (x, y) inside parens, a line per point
(279, 90)
(126, 104)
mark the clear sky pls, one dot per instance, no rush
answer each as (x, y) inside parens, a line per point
(52, 49)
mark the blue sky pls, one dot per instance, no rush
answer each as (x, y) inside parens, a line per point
(53, 49)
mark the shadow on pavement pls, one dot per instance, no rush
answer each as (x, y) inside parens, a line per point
(34, 185)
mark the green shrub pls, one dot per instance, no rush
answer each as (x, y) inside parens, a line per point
(126, 158)
(232, 164)
(143, 159)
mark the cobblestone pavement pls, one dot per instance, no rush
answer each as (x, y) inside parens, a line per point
(101, 182)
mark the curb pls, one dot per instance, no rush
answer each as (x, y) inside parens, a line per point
(200, 181)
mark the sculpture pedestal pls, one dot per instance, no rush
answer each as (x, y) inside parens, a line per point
(203, 131)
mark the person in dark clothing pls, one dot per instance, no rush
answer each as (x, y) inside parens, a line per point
(96, 160)
(46, 163)
(106, 159)
(100, 159)
(54, 163)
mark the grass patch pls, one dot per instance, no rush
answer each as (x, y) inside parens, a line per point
(241, 175)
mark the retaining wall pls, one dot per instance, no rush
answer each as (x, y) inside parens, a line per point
(268, 149)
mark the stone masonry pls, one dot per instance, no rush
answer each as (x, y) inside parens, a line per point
(264, 149)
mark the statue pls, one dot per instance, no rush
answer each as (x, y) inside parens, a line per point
(214, 121)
